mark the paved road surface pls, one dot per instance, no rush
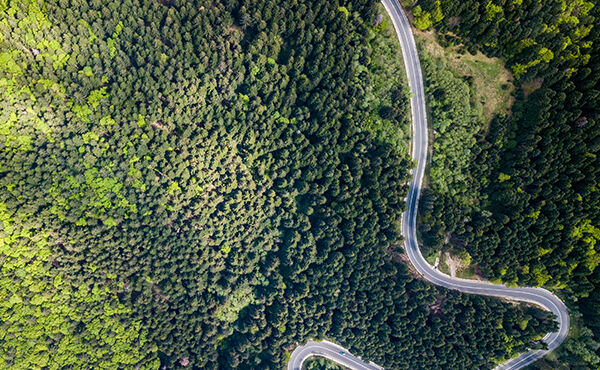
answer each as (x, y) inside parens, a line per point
(332, 351)
(536, 296)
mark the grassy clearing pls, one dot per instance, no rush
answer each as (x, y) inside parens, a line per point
(491, 82)
(462, 269)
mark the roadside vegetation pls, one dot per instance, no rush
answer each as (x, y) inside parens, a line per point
(527, 210)
(464, 92)
(457, 125)
(190, 184)
(388, 99)
(490, 83)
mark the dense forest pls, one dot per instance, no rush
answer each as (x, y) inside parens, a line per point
(206, 184)
(528, 205)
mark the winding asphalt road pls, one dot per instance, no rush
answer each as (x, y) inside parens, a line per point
(331, 351)
(537, 296)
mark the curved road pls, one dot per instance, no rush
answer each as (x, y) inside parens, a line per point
(538, 296)
(331, 351)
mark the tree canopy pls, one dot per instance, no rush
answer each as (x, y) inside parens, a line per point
(199, 183)
(532, 209)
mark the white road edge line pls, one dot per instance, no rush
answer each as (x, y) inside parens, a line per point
(538, 296)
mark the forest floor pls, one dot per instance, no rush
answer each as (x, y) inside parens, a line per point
(492, 83)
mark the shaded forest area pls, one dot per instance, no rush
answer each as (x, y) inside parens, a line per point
(192, 184)
(528, 210)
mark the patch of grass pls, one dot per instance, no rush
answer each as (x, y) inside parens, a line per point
(431, 258)
(443, 266)
(491, 83)
(466, 273)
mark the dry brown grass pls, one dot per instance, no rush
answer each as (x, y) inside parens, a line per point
(492, 82)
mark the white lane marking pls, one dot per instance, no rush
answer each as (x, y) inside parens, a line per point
(408, 218)
(545, 298)
(335, 356)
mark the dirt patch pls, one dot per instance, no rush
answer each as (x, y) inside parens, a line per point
(454, 264)
(491, 82)
(531, 85)
(159, 125)
(291, 347)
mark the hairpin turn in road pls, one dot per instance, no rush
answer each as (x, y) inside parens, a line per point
(538, 296)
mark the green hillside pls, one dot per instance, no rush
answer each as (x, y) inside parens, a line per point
(527, 209)
(206, 184)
